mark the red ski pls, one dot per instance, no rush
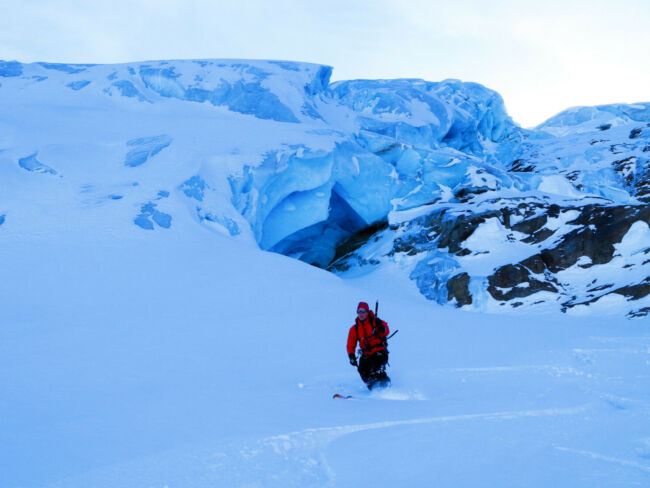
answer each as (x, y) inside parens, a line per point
(342, 397)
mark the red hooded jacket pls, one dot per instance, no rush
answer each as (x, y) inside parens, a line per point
(369, 343)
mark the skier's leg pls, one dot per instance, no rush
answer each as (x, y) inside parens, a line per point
(365, 368)
(371, 369)
(379, 377)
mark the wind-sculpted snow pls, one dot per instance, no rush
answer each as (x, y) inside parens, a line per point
(433, 178)
(31, 163)
(602, 117)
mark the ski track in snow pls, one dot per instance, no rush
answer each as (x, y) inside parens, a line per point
(548, 368)
(609, 459)
(299, 458)
(292, 459)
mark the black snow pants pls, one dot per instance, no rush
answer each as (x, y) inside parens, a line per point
(372, 369)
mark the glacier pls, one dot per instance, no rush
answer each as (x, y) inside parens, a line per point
(274, 153)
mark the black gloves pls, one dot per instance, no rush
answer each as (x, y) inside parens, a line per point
(353, 359)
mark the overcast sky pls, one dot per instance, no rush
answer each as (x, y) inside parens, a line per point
(541, 56)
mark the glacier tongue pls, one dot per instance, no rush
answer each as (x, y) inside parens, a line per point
(431, 177)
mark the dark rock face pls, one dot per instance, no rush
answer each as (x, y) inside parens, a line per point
(588, 239)
(514, 281)
(634, 133)
(642, 183)
(636, 314)
(354, 242)
(467, 193)
(627, 169)
(635, 292)
(522, 166)
(455, 230)
(530, 226)
(634, 174)
(535, 264)
(458, 289)
(599, 229)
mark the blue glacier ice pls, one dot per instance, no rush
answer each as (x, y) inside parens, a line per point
(416, 142)
(143, 221)
(31, 163)
(78, 85)
(66, 68)
(246, 96)
(10, 68)
(162, 81)
(149, 212)
(229, 224)
(428, 114)
(144, 148)
(127, 89)
(432, 273)
(253, 99)
(162, 219)
(194, 188)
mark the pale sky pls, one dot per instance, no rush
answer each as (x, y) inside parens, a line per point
(541, 56)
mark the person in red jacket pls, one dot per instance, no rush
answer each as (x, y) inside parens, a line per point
(370, 332)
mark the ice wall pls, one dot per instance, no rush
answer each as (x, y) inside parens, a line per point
(304, 163)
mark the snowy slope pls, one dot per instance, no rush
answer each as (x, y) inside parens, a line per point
(131, 359)
(146, 340)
